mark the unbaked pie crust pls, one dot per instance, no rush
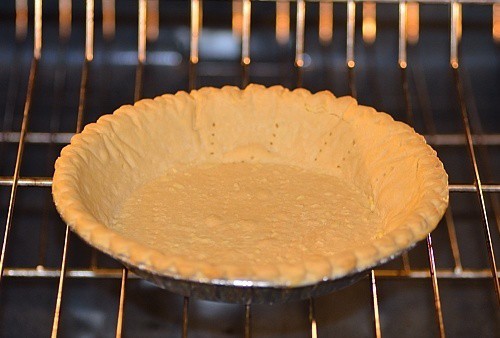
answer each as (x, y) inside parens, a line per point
(263, 185)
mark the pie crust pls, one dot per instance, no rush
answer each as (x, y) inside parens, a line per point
(132, 185)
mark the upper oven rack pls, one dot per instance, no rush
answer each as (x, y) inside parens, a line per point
(474, 140)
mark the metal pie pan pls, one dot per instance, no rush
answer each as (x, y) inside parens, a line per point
(98, 170)
(247, 292)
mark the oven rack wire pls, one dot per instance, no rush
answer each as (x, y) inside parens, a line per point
(474, 140)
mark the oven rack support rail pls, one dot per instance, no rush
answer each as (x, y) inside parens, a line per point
(472, 139)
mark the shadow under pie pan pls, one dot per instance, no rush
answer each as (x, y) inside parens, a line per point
(259, 195)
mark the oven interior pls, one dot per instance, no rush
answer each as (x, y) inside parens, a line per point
(434, 64)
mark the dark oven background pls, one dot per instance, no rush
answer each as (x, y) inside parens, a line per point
(426, 94)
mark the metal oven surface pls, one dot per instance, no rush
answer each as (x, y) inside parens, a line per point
(65, 63)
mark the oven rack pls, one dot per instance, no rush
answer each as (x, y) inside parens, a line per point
(473, 138)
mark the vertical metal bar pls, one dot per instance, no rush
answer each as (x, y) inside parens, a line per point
(94, 259)
(89, 54)
(138, 78)
(19, 158)
(64, 19)
(192, 76)
(57, 311)
(121, 306)
(237, 19)
(495, 29)
(185, 317)
(89, 30)
(282, 21)
(423, 97)
(413, 23)
(406, 261)
(454, 34)
(406, 93)
(108, 19)
(477, 181)
(351, 10)
(452, 234)
(141, 39)
(435, 288)
(245, 41)
(299, 38)
(409, 112)
(153, 20)
(245, 34)
(200, 17)
(369, 26)
(483, 151)
(402, 35)
(351, 20)
(325, 29)
(403, 62)
(195, 30)
(248, 320)
(455, 17)
(376, 315)
(21, 19)
(79, 126)
(194, 41)
(24, 129)
(141, 58)
(350, 62)
(312, 319)
(37, 48)
(58, 98)
(81, 101)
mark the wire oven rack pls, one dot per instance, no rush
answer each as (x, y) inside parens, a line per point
(413, 93)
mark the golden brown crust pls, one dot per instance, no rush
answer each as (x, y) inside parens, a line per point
(385, 159)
